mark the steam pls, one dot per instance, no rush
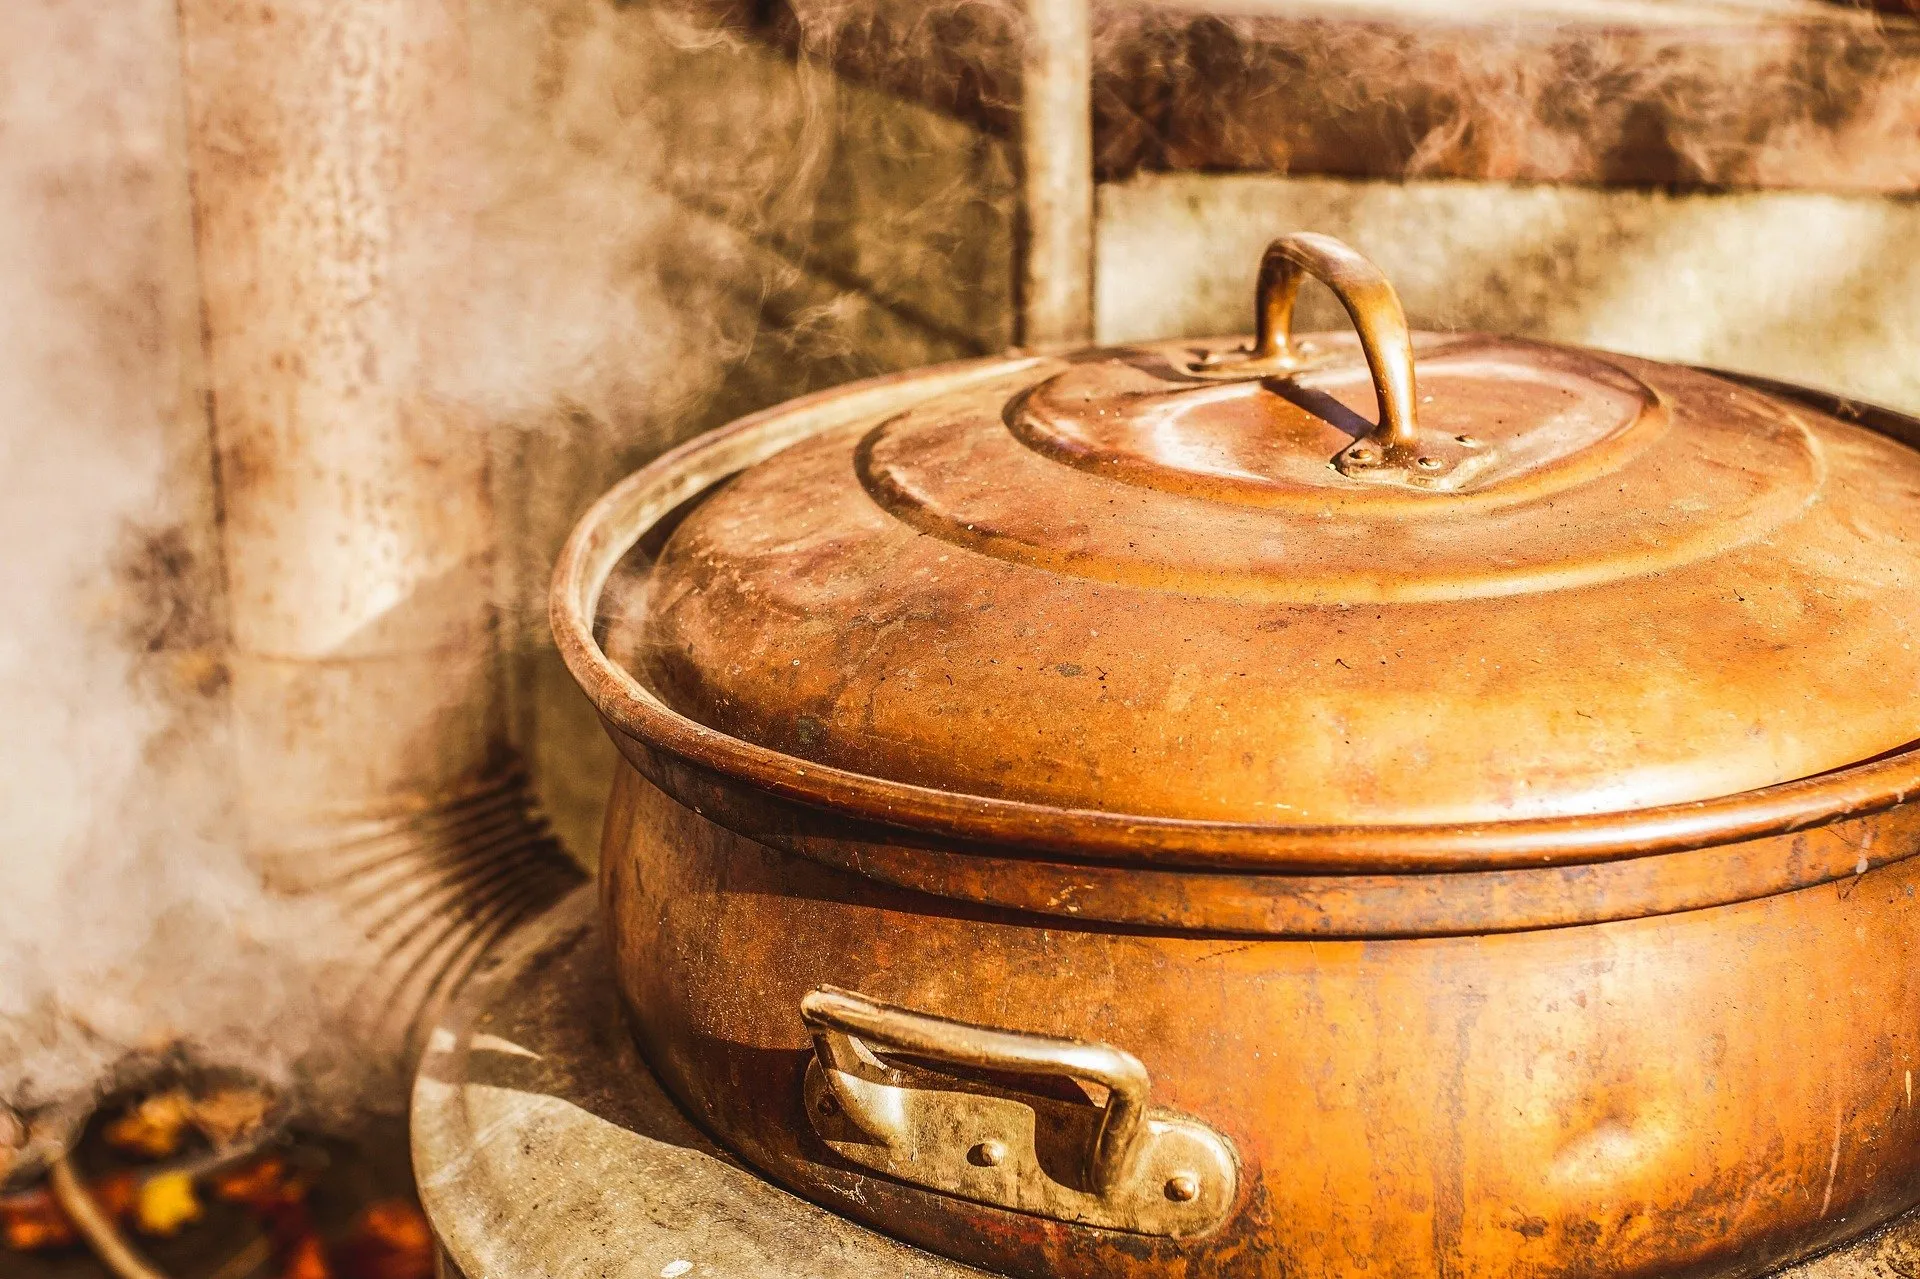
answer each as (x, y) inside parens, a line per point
(128, 915)
(607, 288)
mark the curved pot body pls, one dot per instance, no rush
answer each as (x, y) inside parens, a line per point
(1125, 814)
(1707, 1091)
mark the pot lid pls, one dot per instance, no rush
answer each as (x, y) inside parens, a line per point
(1386, 577)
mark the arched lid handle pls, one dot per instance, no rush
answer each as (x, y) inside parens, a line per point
(1377, 316)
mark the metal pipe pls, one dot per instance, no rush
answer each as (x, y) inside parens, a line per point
(329, 145)
(357, 530)
(1054, 284)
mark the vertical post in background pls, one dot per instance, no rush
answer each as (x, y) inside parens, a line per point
(357, 530)
(1054, 285)
(332, 169)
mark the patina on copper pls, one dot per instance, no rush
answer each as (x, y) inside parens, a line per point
(1505, 856)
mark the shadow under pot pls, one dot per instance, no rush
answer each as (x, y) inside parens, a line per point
(1401, 803)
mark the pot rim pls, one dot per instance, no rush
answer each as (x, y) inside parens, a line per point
(618, 520)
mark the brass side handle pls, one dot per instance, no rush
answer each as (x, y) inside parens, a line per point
(1140, 1168)
(837, 1017)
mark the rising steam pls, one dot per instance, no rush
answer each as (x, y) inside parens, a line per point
(128, 914)
(585, 318)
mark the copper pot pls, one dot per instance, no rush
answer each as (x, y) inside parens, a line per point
(1405, 803)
